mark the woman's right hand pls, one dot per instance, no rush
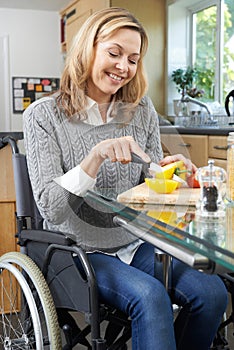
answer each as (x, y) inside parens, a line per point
(117, 150)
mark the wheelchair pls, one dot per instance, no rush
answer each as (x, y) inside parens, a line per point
(38, 296)
(37, 293)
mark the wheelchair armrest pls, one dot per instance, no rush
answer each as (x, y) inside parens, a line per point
(44, 236)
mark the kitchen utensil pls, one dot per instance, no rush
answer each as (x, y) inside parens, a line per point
(146, 167)
(227, 101)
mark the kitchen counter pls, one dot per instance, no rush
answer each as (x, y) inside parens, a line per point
(197, 143)
(203, 130)
(165, 129)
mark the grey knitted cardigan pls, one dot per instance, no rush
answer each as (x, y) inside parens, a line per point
(55, 145)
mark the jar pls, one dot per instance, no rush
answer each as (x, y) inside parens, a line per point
(230, 168)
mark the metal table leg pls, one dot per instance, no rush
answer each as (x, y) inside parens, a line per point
(166, 261)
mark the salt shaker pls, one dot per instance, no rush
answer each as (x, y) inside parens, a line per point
(230, 168)
(211, 179)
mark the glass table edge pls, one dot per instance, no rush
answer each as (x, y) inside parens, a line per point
(198, 245)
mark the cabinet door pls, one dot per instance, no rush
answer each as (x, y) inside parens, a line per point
(220, 162)
(197, 147)
(194, 147)
(7, 189)
(218, 147)
(73, 27)
(7, 227)
(165, 144)
(77, 14)
(7, 244)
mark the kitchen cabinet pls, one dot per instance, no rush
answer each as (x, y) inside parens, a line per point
(198, 148)
(74, 15)
(7, 227)
(218, 150)
(7, 203)
(194, 147)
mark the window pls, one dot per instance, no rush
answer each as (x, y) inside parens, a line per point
(201, 34)
(212, 48)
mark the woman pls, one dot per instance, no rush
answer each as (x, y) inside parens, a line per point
(83, 137)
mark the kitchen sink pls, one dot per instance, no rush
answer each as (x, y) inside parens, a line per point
(205, 121)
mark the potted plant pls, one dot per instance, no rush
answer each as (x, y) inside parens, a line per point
(185, 80)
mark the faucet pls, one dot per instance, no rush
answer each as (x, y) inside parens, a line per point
(196, 102)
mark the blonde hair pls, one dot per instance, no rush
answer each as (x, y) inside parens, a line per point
(99, 26)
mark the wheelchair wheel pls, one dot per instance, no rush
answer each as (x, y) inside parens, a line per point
(28, 318)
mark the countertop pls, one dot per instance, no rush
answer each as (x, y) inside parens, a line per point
(164, 129)
(206, 130)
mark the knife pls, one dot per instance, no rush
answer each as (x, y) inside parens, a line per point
(154, 167)
(146, 167)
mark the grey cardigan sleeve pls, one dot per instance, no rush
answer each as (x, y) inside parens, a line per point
(44, 160)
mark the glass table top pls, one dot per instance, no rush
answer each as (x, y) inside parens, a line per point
(175, 229)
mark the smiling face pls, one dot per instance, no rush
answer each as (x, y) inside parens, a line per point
(115, 64)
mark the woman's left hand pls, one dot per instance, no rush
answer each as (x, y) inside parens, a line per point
(176, 157)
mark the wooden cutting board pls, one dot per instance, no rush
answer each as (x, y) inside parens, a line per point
(143, 194)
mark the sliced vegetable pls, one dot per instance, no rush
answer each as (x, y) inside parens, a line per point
(178, 168)
(169, 217)
(161, 185)
(192, 181)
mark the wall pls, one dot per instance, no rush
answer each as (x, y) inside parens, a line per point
(34, 51)
(153, 17)
(177, 41)
(4, 84)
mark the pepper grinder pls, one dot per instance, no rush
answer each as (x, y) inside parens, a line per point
(211, 179)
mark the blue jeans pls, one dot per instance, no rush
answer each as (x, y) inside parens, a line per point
(136, 291)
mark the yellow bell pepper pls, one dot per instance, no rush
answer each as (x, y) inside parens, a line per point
(161, 185)
(178, 168)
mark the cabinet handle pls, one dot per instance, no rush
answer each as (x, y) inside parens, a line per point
(71, 13)
(222, 148)
(185, 145)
